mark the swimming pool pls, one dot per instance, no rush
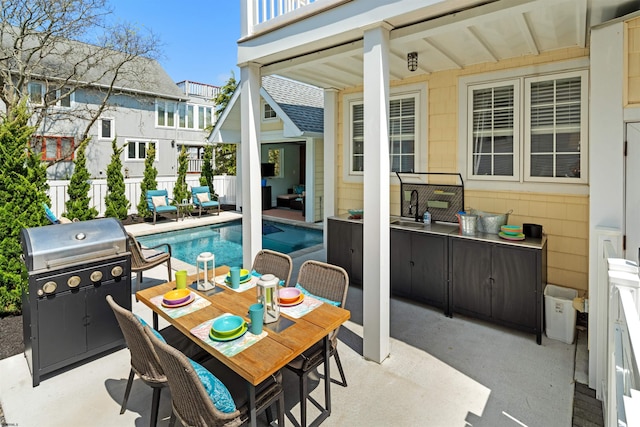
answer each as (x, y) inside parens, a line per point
(225, 240)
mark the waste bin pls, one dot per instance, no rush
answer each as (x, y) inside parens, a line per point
(560, 316)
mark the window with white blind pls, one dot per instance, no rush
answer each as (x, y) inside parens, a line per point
(528, 129)
(403, 124)
(556, 127)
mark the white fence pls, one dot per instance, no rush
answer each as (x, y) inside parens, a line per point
(224, 186)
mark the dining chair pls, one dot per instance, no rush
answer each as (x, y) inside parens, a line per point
(195, 400)
(330, 283)
(271, 262)
(143, 258)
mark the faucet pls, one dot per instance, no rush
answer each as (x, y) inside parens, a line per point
(417, 214)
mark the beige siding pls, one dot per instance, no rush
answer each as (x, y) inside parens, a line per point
(319, 181)
(632, 66)
(564, 217)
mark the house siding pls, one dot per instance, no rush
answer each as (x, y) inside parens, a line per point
(564, 217)
(318, 189)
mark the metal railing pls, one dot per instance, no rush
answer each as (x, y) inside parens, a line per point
(224, 186)
(622, 398)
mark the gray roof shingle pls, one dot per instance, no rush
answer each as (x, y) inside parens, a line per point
(304, 104)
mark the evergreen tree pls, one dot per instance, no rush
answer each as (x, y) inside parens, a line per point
(22, 195)
(225, 154)
(148, 182)
(206, 177)
(78, 204)
(181, 191)
(116, 199)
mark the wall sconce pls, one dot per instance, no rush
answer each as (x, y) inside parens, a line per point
(412, 61)
(173, 143)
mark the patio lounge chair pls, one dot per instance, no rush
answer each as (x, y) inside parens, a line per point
(330, 283)
(272, 262)
(144, 361)
(194, 406)
(202, 199)
(143, 258)
(158, 202)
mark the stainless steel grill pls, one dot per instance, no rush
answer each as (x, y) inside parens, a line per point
(72, 268)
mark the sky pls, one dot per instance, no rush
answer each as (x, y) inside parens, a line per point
(198, 37)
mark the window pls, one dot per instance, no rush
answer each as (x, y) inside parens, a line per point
(403, 126)
(547, 123)
(54, 147)
(493, 120)
(137, 150)
(59, 97)
(268, 113)
(107, 128)
(165, 113)
(36, 93)
(204, 116)
(276, 156)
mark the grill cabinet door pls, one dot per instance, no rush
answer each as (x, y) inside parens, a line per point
(102, 327)
(62, 335)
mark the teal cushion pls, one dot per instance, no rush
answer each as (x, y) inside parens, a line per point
(306, 292)
(218, 392)
(156, 333)
(298, 189)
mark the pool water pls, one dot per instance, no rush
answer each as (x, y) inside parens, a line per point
(225, 241)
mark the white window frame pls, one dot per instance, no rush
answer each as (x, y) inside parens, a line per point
(31, 92)
(516, 133)
(137, 142)
(576, 186)
(204, 109)
(112, 131)
(280, 164)
(266, 119)
(58, 95)
(167, 105)
(419, 92)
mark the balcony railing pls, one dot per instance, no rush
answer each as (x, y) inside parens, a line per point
(201, 90)
(265, 15)
(622, 395)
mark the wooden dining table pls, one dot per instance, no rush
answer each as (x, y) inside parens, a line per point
(266, 357)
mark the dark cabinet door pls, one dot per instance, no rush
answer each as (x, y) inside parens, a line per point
(65, 338)
(429, 268)
(339, 244)
(102, 326)
(470, 277)
(401, 262)
(356, 274)
(515, 273)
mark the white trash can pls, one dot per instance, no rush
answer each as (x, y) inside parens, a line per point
(560, 316)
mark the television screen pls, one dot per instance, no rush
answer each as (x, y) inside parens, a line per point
(268, 169)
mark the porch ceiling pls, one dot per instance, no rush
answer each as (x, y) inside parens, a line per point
(489, 33)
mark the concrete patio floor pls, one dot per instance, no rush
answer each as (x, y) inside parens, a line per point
(441, 372)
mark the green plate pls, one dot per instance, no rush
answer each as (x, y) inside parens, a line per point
(241, 332)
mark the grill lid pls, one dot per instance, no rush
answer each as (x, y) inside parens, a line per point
(62, 245)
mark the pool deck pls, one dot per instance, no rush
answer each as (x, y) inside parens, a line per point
(188, 222)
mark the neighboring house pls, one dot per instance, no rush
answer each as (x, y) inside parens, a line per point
(291, 126)
(530, 101)
(142, 111)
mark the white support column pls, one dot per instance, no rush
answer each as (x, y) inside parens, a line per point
(376, 194)
(250, 83)
(310, 180)
(330, 143)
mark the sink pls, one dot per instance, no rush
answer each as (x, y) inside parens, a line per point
(411, 224)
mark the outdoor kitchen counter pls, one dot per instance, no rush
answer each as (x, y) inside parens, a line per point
(480, 275)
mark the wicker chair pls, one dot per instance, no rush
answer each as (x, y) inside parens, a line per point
(191, 403)
(272, 262)
(143, 258)
(330, 282)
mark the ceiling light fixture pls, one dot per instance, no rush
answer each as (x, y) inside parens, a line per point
(412, 61)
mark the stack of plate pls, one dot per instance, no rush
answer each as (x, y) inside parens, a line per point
(178, 298)
(227, 328)
(245, 276)
(288, 297)
(511, 232)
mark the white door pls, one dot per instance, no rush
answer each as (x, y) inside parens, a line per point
(632, 192)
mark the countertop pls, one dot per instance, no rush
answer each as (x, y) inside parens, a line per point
(452, 230)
